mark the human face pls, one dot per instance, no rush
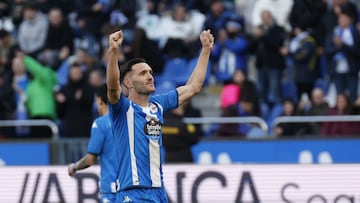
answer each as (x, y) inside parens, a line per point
(266, 18)
(29, 13)
(55, 17)
(18, 66)
(288, 108)
(344, 21)
(238, 77)
(341, 102)
(76, 74)
(140, 79)
(99, 104)
(317, 96)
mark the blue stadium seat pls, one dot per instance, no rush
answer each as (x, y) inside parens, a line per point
(289, 91)
(174, 69)
(191, 66)
(163, 86)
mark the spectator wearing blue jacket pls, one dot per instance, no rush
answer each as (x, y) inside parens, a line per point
(230, 52)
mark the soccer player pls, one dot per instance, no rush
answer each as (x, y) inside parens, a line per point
(137, 119)
(101, 145)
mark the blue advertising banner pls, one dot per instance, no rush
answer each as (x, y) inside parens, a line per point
(24, 154)
(278, 151)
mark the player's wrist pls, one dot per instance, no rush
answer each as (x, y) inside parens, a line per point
(73, 167)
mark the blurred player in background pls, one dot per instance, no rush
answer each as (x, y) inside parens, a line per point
(101, 145)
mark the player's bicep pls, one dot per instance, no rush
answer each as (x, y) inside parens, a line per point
(185, 93)
(114, 93)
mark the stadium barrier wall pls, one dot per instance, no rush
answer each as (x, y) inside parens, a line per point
(221, 151)
(303, 183)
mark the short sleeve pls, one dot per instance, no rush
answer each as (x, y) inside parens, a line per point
(96, 139)
(168, 101)
(121, 106)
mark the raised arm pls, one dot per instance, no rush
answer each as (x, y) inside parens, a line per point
(112, 71)
(195, 82)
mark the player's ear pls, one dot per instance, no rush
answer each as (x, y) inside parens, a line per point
(126, 83)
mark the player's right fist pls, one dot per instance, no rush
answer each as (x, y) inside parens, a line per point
(115, 39)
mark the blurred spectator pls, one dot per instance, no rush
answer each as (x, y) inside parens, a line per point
(20, 82)
(317, 106)
(307, 12)
(7, 46)
(143, 47)
(40, 100)
(5, 20)
(230, 93)
(288, 129)
(59, 39)
(178, 137)
(343, 107)
(230, 51)
(245, 8)
(4, 8)
(44, 5)
(90, 16)
(66, 6)
(217, 16)
(302, 49)
(269, 41)
(280, 11)
(239, 86)
(248, 105)
(96, 79)
(32, 30)
(124, 14)
(7, 102)
(307, 15)
(150, 21)
(180, 31)
(355, 126)
(330, 19)
(74, 102)
(342, 49)
(16, 12)
(80, 57)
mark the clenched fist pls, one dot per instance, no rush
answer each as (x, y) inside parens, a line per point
(207, 39)
(115, 39)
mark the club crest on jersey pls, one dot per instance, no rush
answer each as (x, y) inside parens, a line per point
(153, 108)
(152, 128)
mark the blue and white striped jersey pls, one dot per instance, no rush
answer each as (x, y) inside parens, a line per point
(137, 134)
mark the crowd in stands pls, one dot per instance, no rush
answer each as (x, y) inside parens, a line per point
(53, 54)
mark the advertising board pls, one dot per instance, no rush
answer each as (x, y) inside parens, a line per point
(24, 153)
(278, 151)
(298, 183)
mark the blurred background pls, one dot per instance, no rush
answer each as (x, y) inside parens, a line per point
(282, 85)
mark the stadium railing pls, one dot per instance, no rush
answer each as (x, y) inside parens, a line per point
(228, 120)
(310, 119)
(33, 122)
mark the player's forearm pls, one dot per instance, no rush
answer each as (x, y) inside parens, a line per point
(112, 71)
(84, 162)
(197, 77)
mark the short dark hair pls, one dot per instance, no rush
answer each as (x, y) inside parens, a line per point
(101, 91)
(31, 5)
(127, 67)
